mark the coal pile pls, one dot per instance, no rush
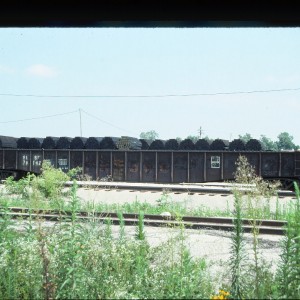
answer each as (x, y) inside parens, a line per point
(109, 143)
(145, 144)
(171, 144)
(157, 145)
(78, 142)
(237, 145)
(22, 142)
(8, 142)
(253, 145)
(49, 142)
(93, 142)
(219, 144)
(35, 143)
(202, 144)
(187, 144)
(63, 142)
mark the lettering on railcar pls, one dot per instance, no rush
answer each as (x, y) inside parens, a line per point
(63, 163)
(36, 160)
(25, 160)
(215, 162)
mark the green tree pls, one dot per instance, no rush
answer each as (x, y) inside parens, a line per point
(246, 137)
(285, 142)
(149, 135)
(268, 144)
(194, 138)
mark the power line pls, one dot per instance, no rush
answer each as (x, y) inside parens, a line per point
(151, 96)
(105, 121)
(44, 117)
(66, 113)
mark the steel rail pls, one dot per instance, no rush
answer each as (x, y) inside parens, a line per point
(182, 188)
(273, 227)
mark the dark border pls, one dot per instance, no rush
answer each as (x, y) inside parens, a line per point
(150, 13)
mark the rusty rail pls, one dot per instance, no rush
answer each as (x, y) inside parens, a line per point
(273, 227)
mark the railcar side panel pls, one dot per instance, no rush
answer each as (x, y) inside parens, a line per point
(90, 164)
(63, 161)
(297, 164)
(180, 167)
(133, 166)
(254, 159)
(148, 166)
(269, 164)
(104, 164)
(118, 166)
(229, 167)
(1, 159)
(164, 167)
(50, 155)
(36, 161)
(76, 159)
(24, 160)
(287, 164)
(10, 161)
(196, 167)
(213, 166)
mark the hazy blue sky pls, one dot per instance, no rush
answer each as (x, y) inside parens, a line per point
(160, 61)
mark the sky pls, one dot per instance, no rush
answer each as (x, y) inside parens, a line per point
(124, 81)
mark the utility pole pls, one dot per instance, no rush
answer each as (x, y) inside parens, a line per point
(80, 122)
(200, 132)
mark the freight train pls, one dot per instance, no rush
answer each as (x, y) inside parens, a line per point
(136, 160)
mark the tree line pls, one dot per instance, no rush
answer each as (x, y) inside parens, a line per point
(284, 140)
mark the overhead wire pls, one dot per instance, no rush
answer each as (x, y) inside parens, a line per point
(105, 121)
(151, 96)
(66, 113)
(36, 118)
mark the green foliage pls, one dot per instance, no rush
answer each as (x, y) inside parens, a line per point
(237, 250)
(268, 144)
(74, 260)
(289, 271)
(140, 233)
(48, 185)
(149, 135)
(246, 137)
(194, 138)
(285, 142)
(51, 181)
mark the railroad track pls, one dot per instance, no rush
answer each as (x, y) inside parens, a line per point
(226, 224)
(205, 188)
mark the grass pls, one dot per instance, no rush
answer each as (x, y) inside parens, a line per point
(90, 260)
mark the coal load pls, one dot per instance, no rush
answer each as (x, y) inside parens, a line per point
(63, 142)
(157, 145)
(93, 142)
(237, 145)
(35, 143)
(49, 142)
(78, 142)
(129, 143)
(109, 143)
(8, 142)
(202, 144)
(22, 142)
(145, 144)
(171, 144)
(187, 144)
(253, 145)
(219, 144)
